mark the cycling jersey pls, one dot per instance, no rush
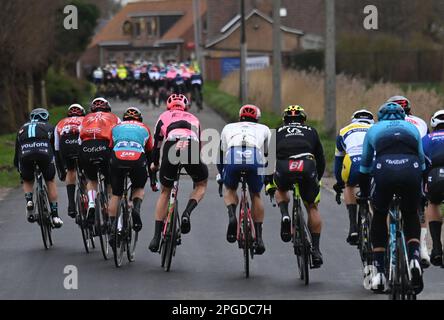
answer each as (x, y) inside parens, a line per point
(248, 134)
(396, 137)
(35, 144)
(419, 124)
(66, 133)
(298, 139)
(348, 152)
(98, 126)
(131, 139)
(433, 145)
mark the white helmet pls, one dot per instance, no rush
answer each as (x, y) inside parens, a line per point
(363, 115)
(438, 118)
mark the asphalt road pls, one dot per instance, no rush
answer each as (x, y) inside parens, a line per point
(206, 266)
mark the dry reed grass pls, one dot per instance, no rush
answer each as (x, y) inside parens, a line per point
(307, 89)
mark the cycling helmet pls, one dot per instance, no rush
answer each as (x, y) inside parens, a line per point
(391, 111)
(76, 110)
(100, 104)
(39, 114)
(250, 111)
(294, 113)
(177, 102)
(402, 101)
(363, 115)
(437, 119)
(133, 113)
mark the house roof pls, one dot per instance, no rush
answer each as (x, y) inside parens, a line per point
(112, 32)
(235, 23)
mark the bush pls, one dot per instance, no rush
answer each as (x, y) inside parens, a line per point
(306, 60)
(64, 90)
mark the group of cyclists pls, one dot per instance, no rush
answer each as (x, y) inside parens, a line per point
(150, 83)
(394, 155)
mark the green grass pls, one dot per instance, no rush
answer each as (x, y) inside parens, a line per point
(9, 176)
(228, 107)
(429, 86)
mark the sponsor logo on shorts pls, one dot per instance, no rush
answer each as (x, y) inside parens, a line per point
(35, 145)
(94, 149)
(296, 165)
(397, 162)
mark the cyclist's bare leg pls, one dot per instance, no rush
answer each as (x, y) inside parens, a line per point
(314, 218)
(196, 196)
(230, 197)
(433, 213)
(257, 207)
(71, 177)
(162, 204)
(352, 208)
(52, 190)
(350, 195)
(28, 186)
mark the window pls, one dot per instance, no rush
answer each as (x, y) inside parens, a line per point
(137, 29)
(127, 28)
(152, 27)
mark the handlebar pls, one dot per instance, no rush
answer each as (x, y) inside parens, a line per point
(220, 190)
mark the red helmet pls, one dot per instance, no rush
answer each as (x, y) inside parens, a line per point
(177, 102)
(76, 110)
(100, 104)
(250, 111)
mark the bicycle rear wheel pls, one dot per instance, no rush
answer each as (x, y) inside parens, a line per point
(47, 215)
(131, 240)
(406, 292)
(83, 226)
(41, 220)
(119, 244)
(101, 228)
(171, 241)
(246, 236)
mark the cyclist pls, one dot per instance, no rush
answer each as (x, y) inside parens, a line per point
(67, 150)
(132, 146)
(95, 141)
(421, 125)
(299, 159)
(181, 131)
(243, 147)
(433, 145)
(347, 160)
(393, 151)
(35, 145)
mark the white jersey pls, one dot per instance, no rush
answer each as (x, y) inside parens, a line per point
(98, 74)
(419, 124)
(351, 139)
(247, 134)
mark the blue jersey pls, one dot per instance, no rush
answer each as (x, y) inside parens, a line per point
(391, 137)
(131, 139)
(433, 145)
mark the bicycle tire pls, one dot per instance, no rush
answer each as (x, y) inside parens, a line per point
(171, 240)
(41, 219)
(406, 289)
(119, 244)
(131, 241)
(306, 252)
(48, 222)
(99, 228)
(163, 251)
(83, 227)
(246, 231)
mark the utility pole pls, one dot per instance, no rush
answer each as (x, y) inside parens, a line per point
(277, 57)
(243, 62)
(198, 34)
(330, 69)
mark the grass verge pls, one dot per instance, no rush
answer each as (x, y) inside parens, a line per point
(228, 107)
(9, 177)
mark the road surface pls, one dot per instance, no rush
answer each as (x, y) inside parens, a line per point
(206, 266)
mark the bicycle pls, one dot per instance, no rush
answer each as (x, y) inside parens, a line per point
(101, 221)
(364, 243)
(301, 237)
(82, 210)
(126, 238)
(171, 234)
(44, 218)
(246, 233)
(399, 276)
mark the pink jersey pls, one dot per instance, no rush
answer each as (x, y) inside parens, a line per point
(173, 125)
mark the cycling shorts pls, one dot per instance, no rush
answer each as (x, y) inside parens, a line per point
(188, 157)
(397, 174)
(435, 185)
(247, 160)
(138, 173)
(94, 150)
(350, 170)
(300, 171)
(45, 163)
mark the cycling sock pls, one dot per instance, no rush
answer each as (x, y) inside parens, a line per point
(54, 211)
(137, 203)
(258, 227)
(413, 250)
(231, 210)
(192, 204)
(435, 233)
(92, 196)
(71, 190)
(28, 196)
(352, 214)
(379, 261)
(158, 228)
(283, 206)
(316, 238)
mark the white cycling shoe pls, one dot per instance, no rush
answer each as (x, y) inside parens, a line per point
(57, 222)
(423, 251)
(369, 272)
(379, 282)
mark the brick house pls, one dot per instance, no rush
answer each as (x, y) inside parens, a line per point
(302, 28)
(158, 30)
